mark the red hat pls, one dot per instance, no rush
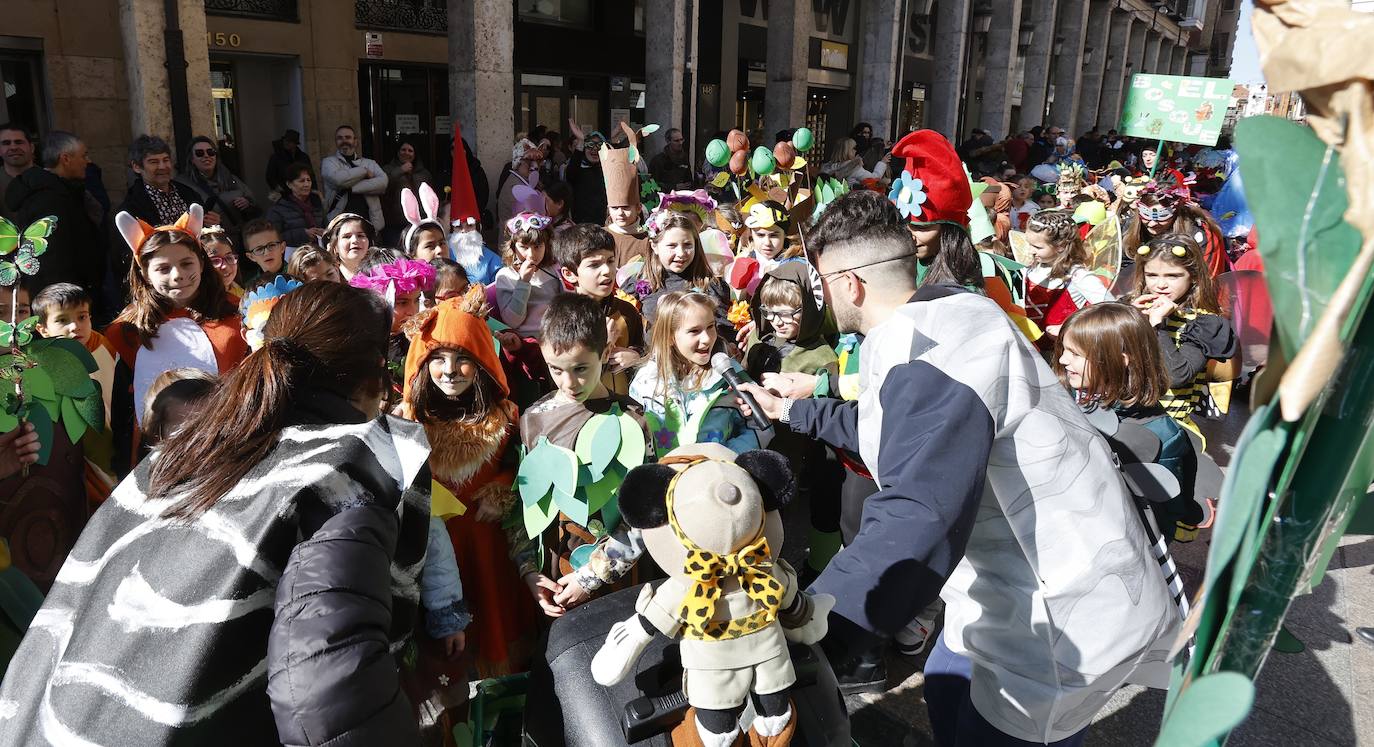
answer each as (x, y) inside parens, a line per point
(933, 186)
(463, 203)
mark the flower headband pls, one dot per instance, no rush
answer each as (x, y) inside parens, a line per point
(404, 276)
(657, 221)
(528, 221)
(697, 202)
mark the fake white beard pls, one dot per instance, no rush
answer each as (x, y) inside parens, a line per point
(466, 247)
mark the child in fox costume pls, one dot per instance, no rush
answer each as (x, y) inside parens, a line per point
(455, 387)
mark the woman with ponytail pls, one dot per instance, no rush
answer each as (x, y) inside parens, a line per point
(209, 599)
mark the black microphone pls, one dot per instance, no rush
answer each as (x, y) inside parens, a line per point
(721, 364)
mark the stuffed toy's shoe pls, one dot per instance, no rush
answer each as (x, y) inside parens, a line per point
(689, 733)
(626, 641)
(781, 739)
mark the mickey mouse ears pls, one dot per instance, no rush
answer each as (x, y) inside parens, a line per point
(136, 231)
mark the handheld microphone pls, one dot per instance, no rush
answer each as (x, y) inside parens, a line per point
(721, 364)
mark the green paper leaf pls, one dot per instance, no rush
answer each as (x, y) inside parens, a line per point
(42, 425)
(538, 516)
(533, 480)
(1211, 706)
(74, 347)
(1283, 168)
(92, 410)
(605, 445)
(632, 441)
(1247, 482)
(72, 420)
(38, 384)
(602, 491)
(574, 509)
(68, 376)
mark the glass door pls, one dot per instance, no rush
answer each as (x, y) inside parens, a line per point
(405, 103)
(21, 90)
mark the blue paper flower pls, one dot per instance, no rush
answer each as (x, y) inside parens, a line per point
(908, 194)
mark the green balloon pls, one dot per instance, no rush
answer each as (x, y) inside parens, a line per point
(763, 161)
(717, 153)
(803, 139)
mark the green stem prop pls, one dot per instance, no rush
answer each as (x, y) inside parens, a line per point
(1159, 153)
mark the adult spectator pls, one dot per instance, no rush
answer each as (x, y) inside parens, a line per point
(16, 148)
(352, 183)
(860, 134)
(262, 569)
(285, 151)
(982, 154)
(1042, 144)
(154, 197)
(1018, 151)
(405, 171)
(994, 489)
(671, 168)
(524, 172)
(299, 214)
(217, 188)
(584, 175)
(75, 253)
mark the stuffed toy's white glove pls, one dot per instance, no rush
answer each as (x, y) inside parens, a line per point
(623, 647)
(813, 629)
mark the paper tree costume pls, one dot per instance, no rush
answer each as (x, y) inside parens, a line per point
(710, 520)
(46, 382)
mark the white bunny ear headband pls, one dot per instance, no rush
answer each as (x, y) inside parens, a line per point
(136, 231)
(421, 212)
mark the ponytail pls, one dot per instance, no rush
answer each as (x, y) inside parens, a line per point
(322, 337)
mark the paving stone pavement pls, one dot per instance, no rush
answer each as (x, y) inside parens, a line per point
(1321, 696)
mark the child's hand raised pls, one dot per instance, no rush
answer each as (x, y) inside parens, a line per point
(454, 644)
(510, 341)
(527, 270)
(622, 358)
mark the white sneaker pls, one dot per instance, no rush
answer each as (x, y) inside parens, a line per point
(911, 640)
(617, 656)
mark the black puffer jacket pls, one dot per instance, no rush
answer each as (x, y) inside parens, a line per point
(331, 678)
(75, 252)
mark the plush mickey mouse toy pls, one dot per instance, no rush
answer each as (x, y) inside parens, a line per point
(713, 516)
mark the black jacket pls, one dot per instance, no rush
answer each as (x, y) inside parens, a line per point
(75, 253)
(291, 222)
(138, 204)
(330, 675)
(279, 160)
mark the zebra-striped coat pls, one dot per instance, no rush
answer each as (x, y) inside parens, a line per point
(156, 631)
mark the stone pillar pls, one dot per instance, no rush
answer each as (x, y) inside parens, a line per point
(481, 79)
(1109, 108)
(1093, 66)
(1180, 60)
(1152, 44)
(789, 31)
(1035, 88)
(999, 72)
(951, 47)
(143, 25)
(1071, 27)
(665, 63)
(879, 69)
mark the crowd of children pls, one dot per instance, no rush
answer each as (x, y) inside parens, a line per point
(504, 354)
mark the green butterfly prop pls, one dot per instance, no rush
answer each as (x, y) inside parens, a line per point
(582, 481)
(30, 243)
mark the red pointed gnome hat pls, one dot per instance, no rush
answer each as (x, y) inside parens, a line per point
(933, 186)
(463, 203)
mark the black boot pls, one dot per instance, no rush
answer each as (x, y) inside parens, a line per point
(865, 673)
